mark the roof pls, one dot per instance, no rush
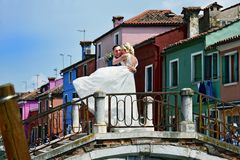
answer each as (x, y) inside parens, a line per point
(155, 17)
(199, 35)
(212, 4)
(88, 58)
(149, 18)
(29, 95)
(56, 90)
(227, 40)
(230, 7)
(190, 9)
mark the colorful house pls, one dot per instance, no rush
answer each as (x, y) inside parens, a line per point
(229, 50)
(189, 65)
(28, 106)
(150, 59)
(50, 96)
(135, 30)
(81, 68)
(150, 63)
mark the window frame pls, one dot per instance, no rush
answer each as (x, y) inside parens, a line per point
(231, 82)
(99, 51)
(146, 78)
(85, 69)
(114, 38)
(212, 66)
(192, 66)
(170, 72)
(70, 78)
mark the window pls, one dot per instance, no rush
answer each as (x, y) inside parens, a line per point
(211, 66)
(230, 67)
(46, 105)
(99, 50)
(70, 76)
(149, 78)
(40, 106)
(85, 70)
(173, 73)
(65, 99)
(196, 68)
(116, 38)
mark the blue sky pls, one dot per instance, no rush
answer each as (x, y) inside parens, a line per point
(34, 32)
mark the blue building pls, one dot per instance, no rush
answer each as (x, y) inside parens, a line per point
(70, 73)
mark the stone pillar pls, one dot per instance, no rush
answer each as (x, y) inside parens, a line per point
(100, 124)
(148, 113)
(75, 116)
(186, 125)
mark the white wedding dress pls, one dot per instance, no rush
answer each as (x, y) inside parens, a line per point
(114, 79)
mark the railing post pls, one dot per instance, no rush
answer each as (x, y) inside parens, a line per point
(11, 125)
(187, 125)
(148, 112)
(75, 116)
(100, 124)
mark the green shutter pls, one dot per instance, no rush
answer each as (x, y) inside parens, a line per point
(215, 62)
(198, 67)
(223, 69)
(207, 67)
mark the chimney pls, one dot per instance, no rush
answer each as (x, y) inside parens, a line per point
(191, 19)
(117, 20)
(51, 82)
(86, 48)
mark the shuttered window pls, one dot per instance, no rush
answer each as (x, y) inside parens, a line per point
(230, 68)
(149, 78)
(173, 73)
(210, 66)
(196, 68)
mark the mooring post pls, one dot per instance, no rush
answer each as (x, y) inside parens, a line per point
(11, 125)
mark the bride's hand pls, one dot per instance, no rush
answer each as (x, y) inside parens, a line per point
(132, 69)
(124, 57)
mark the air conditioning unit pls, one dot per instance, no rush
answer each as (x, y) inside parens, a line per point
(88, 51)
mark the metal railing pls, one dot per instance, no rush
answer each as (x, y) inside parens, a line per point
(216, 118)
(50, 127)
(155, 111)
(158, 110)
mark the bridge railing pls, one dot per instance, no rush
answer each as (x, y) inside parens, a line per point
(157, 111)
(50, 127)
(217, 118)
(124, 112)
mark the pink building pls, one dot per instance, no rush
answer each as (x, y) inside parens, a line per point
(28, 106)
(135, 30)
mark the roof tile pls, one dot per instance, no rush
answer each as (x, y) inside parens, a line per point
(155, 17)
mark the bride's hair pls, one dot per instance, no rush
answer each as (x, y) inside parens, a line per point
(128, 48)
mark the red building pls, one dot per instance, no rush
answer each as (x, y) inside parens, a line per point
(150, 71)
(149, 76)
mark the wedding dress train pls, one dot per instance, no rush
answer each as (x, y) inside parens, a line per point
(114, 79)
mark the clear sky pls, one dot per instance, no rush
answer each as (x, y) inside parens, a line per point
(33, 33)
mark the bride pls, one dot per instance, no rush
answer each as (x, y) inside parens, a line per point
(114, 79)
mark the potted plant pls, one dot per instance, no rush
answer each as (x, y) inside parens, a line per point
(108, 58)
